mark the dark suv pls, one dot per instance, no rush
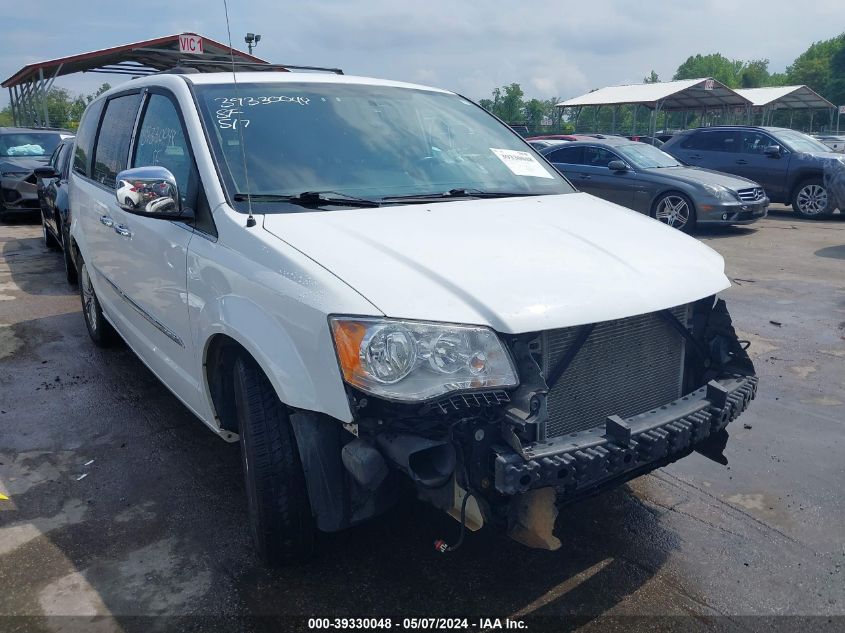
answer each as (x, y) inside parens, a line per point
(792, 167)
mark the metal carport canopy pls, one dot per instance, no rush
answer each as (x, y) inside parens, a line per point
(684, 94)
(28, 88)
(781, 97)
(138, 58)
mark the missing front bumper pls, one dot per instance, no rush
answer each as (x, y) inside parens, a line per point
(580, 462)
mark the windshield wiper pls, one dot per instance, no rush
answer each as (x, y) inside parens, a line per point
(456, 193)
(310, 199)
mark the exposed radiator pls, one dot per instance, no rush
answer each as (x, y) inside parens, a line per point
(627, 366)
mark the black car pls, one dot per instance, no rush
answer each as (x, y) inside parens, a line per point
(643, 178)
(55, 206)
(22, 150)
(792, 167)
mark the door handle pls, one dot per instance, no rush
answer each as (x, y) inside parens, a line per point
(694, 156)
(741, 162)
(120, 229)
(104, 219)
(585, 177)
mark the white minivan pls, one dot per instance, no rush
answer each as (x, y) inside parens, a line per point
(378, 289)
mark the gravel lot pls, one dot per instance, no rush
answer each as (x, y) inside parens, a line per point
(121, 503)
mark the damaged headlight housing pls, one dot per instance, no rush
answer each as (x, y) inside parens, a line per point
(416, 360)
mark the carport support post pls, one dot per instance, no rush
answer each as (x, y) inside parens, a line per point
(634, 120)
(812, 116)
(42, 90)
(596, 120)
(14, 107)
(613, 125)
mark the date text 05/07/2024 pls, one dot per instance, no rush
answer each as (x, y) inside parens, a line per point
(436, 624)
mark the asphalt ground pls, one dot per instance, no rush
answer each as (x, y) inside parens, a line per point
(126, 513)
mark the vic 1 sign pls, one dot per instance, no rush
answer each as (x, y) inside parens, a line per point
(841, 109)
(190, 44)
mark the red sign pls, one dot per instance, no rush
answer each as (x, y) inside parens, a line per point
(190, 44)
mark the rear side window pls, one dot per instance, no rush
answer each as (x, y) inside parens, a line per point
(85, 139)
(112, 151)
(570, 155)
(716, 141)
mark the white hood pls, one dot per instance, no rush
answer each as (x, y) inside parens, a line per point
(515, 264)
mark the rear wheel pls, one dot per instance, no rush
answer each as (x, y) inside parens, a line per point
(99, 329)
(279, 510)
(810, 200)
(675, 210)
(49, 239)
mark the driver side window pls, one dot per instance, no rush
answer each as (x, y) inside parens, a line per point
(161, 142)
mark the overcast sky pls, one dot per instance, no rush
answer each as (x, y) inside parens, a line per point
(553, 48)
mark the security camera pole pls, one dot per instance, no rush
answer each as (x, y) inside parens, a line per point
(252, 40)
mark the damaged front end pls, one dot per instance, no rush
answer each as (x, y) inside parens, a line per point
(596, 405)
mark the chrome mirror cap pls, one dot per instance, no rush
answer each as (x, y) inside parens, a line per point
(148, 191)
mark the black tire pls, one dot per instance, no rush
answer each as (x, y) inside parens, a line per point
(70, 268)
(279, 510)
(100, 330)
(688, 224)
(50, 240)
(811, 199)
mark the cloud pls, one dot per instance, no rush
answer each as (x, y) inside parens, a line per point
(549, 47)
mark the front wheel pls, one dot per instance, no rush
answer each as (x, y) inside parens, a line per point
(279, 510)
(71, 273)
(100, 330)
(811, 200)
(675, 210)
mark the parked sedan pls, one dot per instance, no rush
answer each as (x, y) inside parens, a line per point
(646, 179)
(542, 143)
(22, 150)
(55, 207)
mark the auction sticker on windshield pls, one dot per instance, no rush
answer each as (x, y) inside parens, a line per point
(521, 163)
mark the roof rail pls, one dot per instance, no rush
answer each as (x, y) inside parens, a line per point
(182, 64)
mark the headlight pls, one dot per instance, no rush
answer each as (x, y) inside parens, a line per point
(412, 360)
(720, 192)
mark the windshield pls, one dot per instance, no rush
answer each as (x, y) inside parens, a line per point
(800, 142)
(645, 156)
(29, 144)
(370, 142)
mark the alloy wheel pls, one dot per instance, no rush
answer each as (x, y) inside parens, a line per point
(674, 211)
(812, 199)
(89, 305)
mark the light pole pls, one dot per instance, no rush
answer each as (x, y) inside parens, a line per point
(252, 40)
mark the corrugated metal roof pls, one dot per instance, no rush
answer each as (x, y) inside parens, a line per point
(139, 58)
(785, 97)
(684, 94)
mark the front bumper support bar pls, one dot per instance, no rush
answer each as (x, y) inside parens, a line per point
(577, 462)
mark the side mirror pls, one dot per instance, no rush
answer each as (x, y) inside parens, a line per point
(149, 191)
(617, 165)
(46, 172)
(772, 150)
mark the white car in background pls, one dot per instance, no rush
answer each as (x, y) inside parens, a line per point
(366, 281)
(835, 143)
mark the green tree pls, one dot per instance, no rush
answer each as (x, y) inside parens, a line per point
(63, 107)
(715, 65)
(653, 78)
(754, 74)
